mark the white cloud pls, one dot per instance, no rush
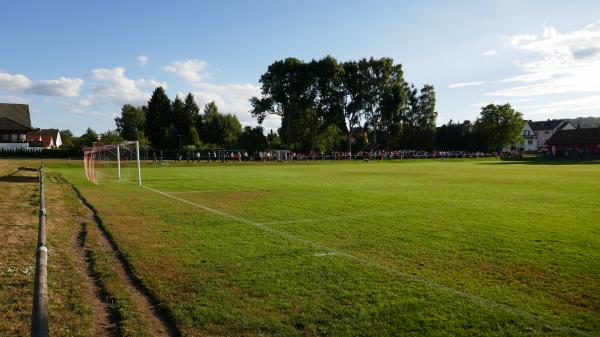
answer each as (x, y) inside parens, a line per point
(583, 104)
(230, 98)
(18, 82)
(143, 59)
(14, 99)
(189, 70)
(516, 40)
(62, 86)
(112, 85)
(144, 83)
(565, 63)
(465, 84)
(489, 53)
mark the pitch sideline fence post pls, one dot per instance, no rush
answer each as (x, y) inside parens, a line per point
(119, 162)
(39, 315)
(137, 153)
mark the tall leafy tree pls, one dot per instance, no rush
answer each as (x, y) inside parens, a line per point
(410, 117)
(212, 123)
(67, 138)
(352, 104)
(158, 118)
(220, 129)
(192, 137)
(111, 137)
(426, 117)
(284, 89)
(182, 125)
(88, 138)
(191, 112)
(130, 124)
(324, 98)
(500, 125)
(253, 139)
(392, 107)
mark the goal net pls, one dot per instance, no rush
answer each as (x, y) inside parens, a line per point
(105, 163)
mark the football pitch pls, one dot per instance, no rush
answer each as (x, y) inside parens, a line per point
(430, 247)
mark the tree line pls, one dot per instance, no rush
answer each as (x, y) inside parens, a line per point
(324, 105)
(367, 101)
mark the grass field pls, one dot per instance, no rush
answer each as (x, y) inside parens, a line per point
(437, 248)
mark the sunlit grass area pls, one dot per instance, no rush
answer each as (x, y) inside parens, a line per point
(432, 247)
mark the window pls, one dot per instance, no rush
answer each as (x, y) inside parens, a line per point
(22, 137)
(530, 142)
(13, 137)
(5, 137)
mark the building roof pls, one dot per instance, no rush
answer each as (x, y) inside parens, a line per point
(14, 117)
(48, 137)
(575, 136)
(550, 124)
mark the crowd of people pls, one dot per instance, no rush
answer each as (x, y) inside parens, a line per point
(284, 155)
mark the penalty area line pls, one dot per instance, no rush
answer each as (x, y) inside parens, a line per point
(474, 298)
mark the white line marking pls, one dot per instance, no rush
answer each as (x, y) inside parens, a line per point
(429, 283)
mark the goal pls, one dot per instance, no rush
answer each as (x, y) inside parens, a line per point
(104, 163)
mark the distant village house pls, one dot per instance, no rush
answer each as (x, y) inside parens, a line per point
(15, 123)
(579, 141)
(536, 134)
(16, 133)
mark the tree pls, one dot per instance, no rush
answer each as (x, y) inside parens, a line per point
(253, 139)
(67, 138)
(131, 123)
(158, 118)
(192, 137)
(231, 130)
(273, 140)
(110, 137)
(410, 116)
(500, 125)
(211, 125)
(219, 129)
(182, 125)
(352, 103)
(284, 90)
(323, 103)
(191, 116)
(88, 138)
(426, 117)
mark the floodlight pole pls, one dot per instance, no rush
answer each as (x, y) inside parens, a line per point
(137, 154)
(119, 162)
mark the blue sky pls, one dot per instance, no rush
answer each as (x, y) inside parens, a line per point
(77, 62)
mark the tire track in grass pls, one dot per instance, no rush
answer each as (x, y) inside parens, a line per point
(160, 321)
(104, 319)
(431, 284)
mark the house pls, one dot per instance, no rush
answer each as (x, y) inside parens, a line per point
(530, 142)
(545, 129)
(15, 122)
(582, 141)
(49, 138)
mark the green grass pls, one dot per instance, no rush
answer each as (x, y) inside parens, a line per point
(478, 247)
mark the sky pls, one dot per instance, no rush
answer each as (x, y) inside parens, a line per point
(77, 62)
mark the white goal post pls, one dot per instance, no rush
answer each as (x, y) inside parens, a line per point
(113, 162)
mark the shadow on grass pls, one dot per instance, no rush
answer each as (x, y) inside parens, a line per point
(544, 161)
(15, 178)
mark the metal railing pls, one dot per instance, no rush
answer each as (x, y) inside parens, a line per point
(39, 315)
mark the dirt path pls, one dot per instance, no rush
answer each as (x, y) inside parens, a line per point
(159, 323)
(103, 323)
